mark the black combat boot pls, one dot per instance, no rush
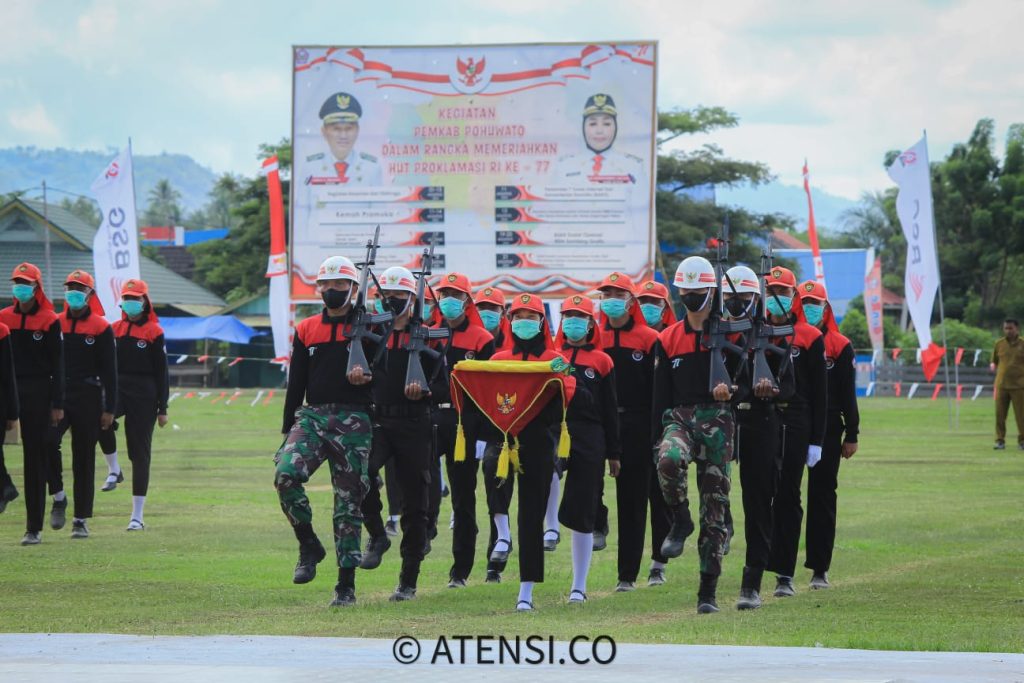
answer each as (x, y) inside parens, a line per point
(311, 552)
(750, 589)
(407, 581)
(706, 594)
(345, 591)
(375, 549)
(682, 527)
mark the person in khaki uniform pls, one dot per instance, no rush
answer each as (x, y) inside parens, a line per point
(1008, 364)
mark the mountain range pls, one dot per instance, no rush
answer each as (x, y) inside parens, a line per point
(73, 171)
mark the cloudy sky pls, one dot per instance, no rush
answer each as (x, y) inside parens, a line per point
(836, 82)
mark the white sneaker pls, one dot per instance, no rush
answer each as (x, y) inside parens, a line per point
(577, 597)
(524, 606)
(135, 525)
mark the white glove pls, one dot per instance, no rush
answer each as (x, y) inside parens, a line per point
(480, 446)
(813, 455)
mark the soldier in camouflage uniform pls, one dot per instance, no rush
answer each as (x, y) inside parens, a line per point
(334, 426)
(695, 425)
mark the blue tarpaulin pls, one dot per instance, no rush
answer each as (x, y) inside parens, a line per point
(226, 328)
(844, 273)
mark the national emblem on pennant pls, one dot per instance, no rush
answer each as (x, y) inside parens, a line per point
(506, 403)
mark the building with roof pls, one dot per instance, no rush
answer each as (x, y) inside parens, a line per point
(24, 227)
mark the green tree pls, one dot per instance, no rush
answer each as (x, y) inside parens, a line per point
(234, 267)
(83, 208)
(164, 207)
(685, 223)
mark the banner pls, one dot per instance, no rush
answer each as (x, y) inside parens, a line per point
(812, 230)
(873, 300)
(912, 173)
(115, 248)
(531, 165)
(277, 265)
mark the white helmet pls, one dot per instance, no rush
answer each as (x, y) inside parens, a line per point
(397, 278)
(695, 272)
(337, 268)
(743, 279)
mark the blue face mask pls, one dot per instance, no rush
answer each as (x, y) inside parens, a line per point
(377, 306)
(132, 308)
(428, 310)
(491, 319)
(652, 313)
(525, 329)
(23, 293)
(773, 304)
(76, 300)
(451, 307)
(575, 329)
(813, 313)
(613, 308)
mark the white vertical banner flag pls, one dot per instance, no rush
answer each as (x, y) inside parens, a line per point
(911, 171)
(277, 265)
(115, 248)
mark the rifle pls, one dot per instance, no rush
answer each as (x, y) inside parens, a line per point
(420, 334)
(763, 333)
(363, 321)
(719, 330)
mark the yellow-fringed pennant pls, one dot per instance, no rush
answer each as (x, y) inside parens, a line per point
(510, 393)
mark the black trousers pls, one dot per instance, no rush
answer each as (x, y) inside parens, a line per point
(499, 497)
(393, 488)
(108, 439)
(758, 445)
(404, 442)
(137, 402)
(537, 446)
(5, 477)
(37, 438)
(636, 489)
(462, 480)
(822, 482)
(82, 409)
(787, 511)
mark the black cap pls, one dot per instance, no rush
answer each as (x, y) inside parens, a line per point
(599, 104)
(340, 107)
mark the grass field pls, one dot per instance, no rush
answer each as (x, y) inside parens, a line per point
(930, 553)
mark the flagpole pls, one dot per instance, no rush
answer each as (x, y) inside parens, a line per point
(942, 311)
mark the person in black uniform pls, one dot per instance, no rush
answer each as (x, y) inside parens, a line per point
(469, 341)
(402, 435)
(327, 419)
(142, 384)
(8, 412)
(90, 361)
(38, 353)
(803, 425)
(593, 421)
(841, 430)
(758, 434)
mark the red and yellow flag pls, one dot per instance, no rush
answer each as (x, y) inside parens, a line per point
(510, 394)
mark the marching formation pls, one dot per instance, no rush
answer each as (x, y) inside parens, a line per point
(394, 378)
(75, 371)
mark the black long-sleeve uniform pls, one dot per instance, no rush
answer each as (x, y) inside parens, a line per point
(37, 349)
(592, 419)
(8, 401)
(402, 435)
(90, 367)
(631, 348)
(142, 381)
(842, 425)
(803, 425)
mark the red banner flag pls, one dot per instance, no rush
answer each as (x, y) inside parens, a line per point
(510, 394)
(938, 388)
(898, 388)
(277, 265)
(959, 392)
(959, 355)
(930, 360)
(812, 230)
(896, 353)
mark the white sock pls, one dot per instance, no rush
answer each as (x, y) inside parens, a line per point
(501, 524)
(657, 565)
(551, 516)
(137, 503)
(76, 520)
(392, 518)
(526, 591)
(60, 496)
(444, 475)
(112, 466)
(582, 551)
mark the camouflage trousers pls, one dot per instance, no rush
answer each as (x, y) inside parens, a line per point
(342, 438)
(703, 435)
